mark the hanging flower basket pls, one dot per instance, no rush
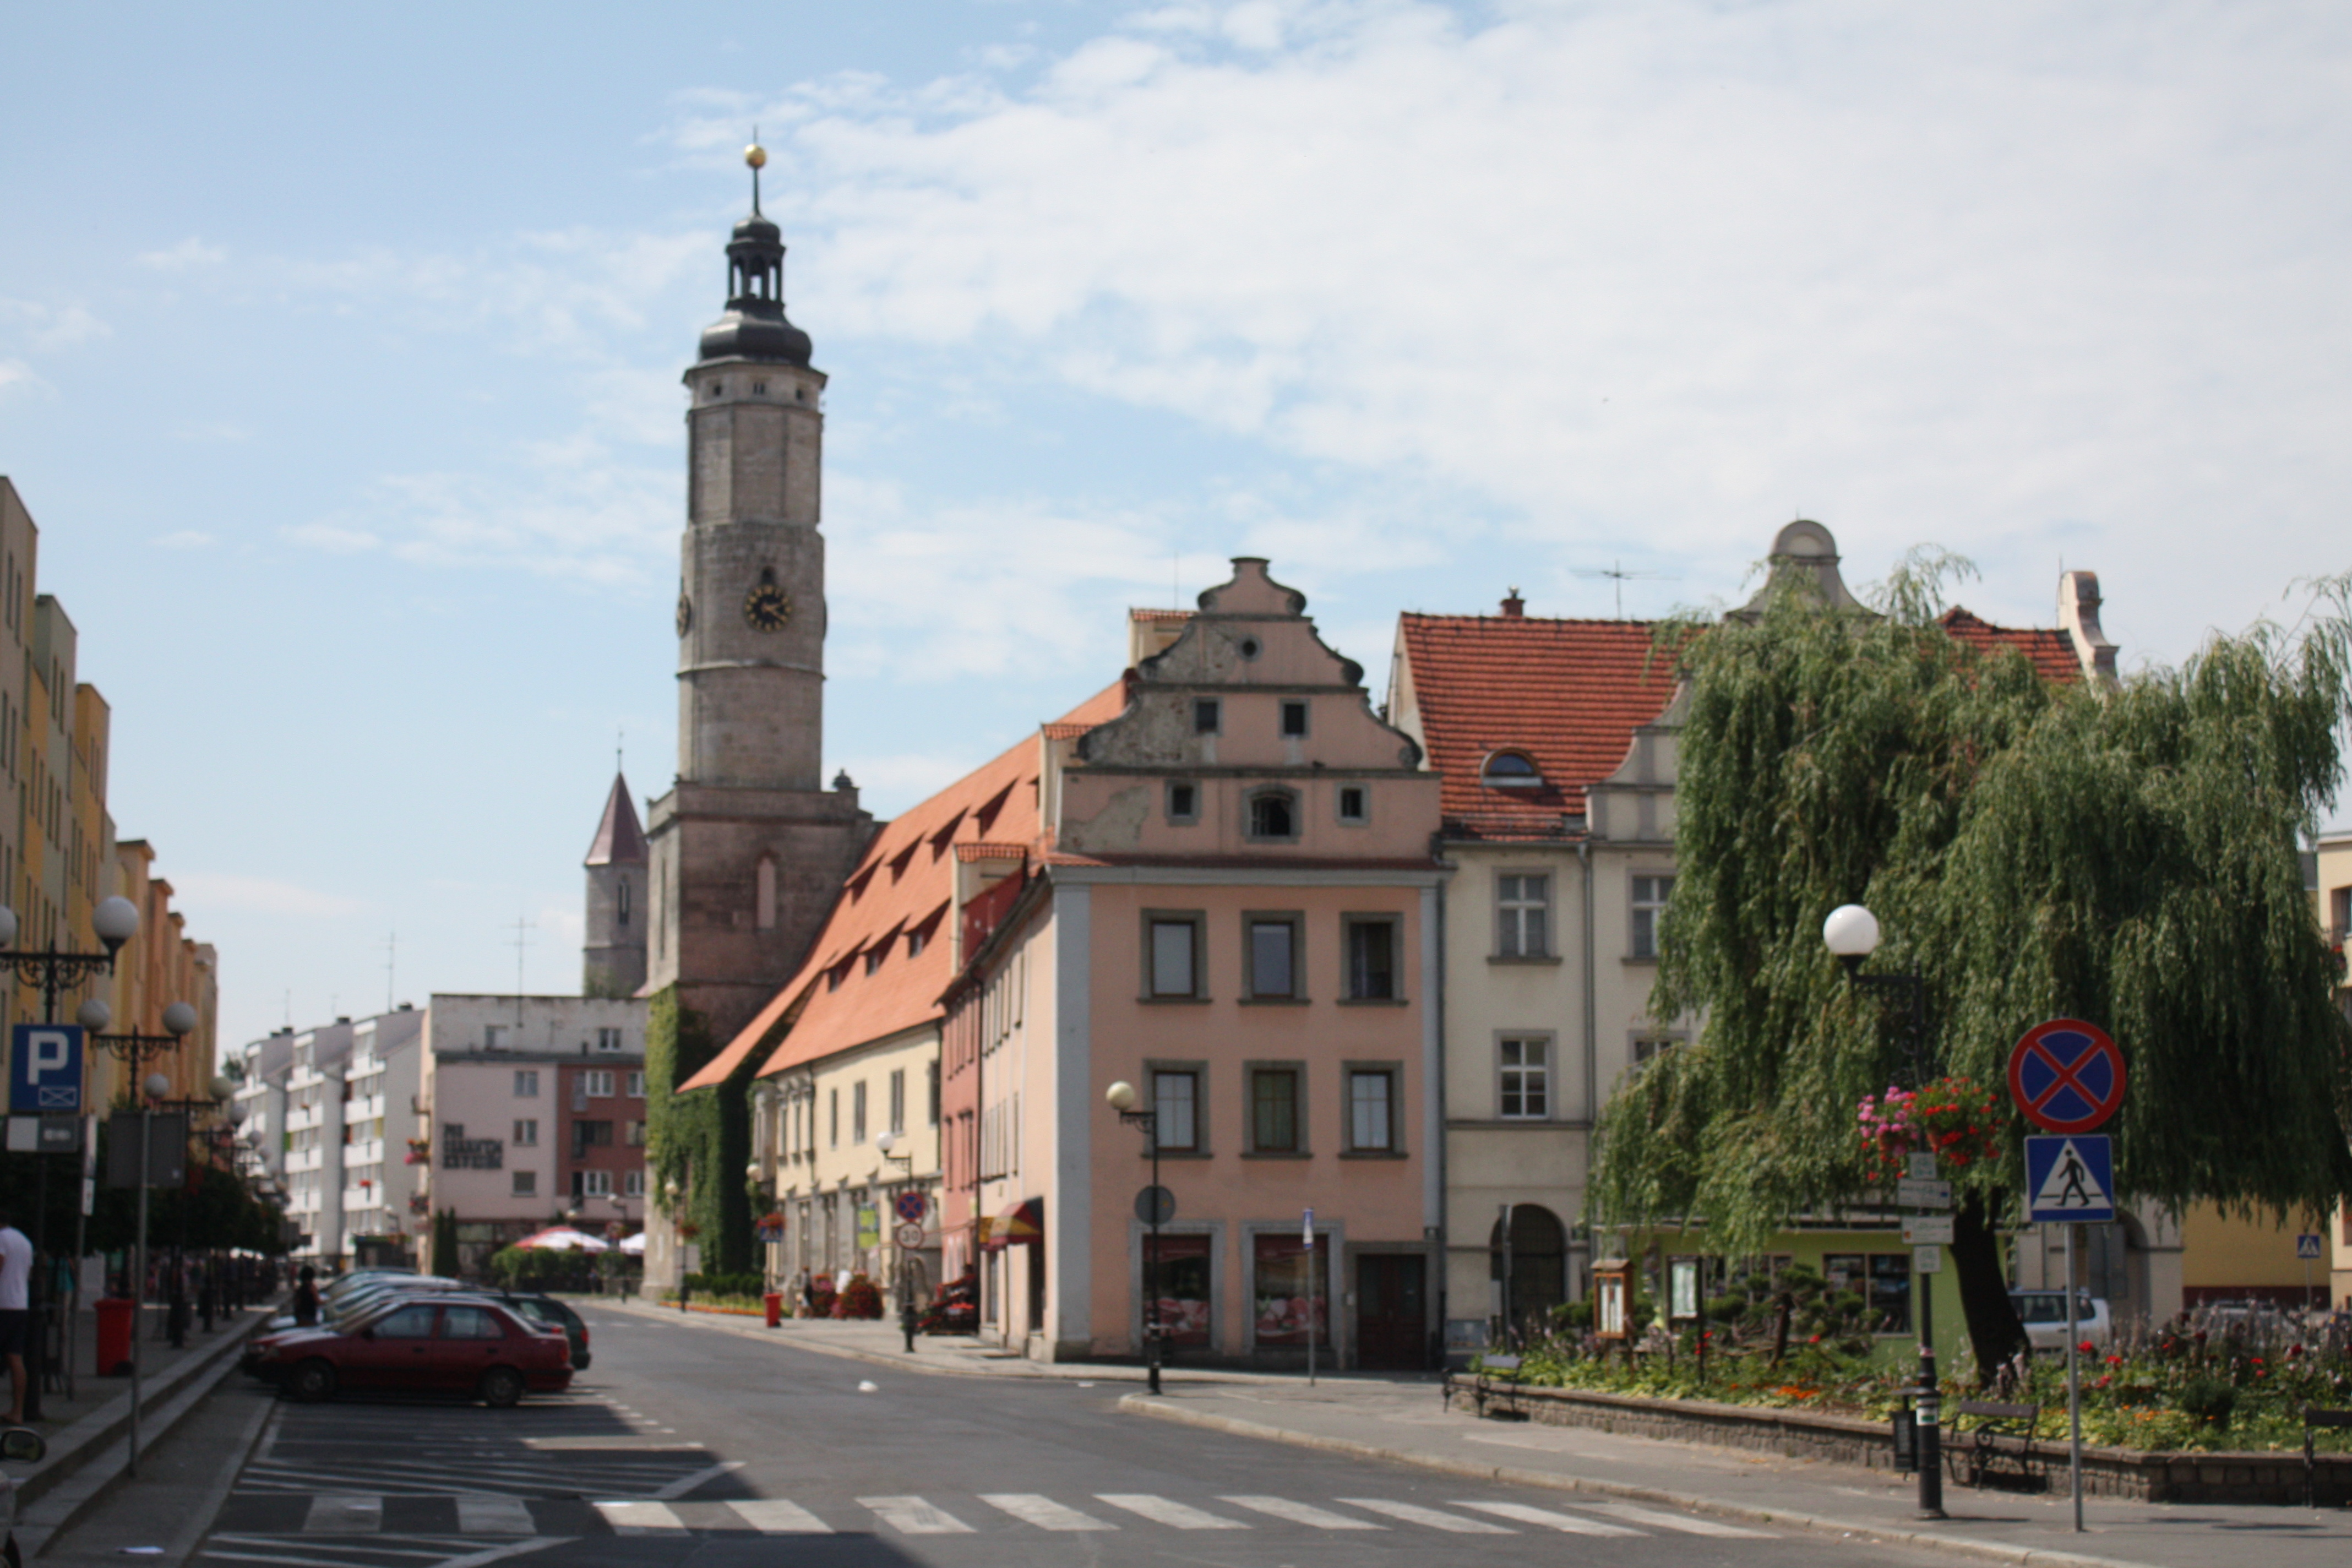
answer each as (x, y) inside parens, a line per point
(1954, 1119)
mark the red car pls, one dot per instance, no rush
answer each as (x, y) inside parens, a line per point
(442, 1346)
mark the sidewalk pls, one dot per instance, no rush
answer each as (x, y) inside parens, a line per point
(1405, 1424)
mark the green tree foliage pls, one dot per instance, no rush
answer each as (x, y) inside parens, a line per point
(2126, 854)
(698, 1143)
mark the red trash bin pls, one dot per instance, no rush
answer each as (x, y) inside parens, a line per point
(115, 1315)
(775, 1309)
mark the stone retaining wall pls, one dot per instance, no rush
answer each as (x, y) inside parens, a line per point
(2127, 1474)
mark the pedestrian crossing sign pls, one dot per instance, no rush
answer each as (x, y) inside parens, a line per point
(2070, 1179)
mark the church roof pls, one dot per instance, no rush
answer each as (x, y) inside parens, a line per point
(864, 980)
(620, 841)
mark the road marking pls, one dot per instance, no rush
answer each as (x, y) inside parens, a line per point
(606, 1445)
(913, 1516)
(514, 1549)
(640, 1518)
(493, 1513)
(1526, 1514)
(344, 1513)
(1683, 1522)
(1043, 1511)
(774, 1516)
(684, 1484)
(1159, 1510)
(1302, 1513)
(1413, 1513)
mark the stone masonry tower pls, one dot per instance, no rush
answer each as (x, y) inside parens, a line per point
(748, 848)
(613, 957)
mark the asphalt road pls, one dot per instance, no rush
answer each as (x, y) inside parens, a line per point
(686, 1447)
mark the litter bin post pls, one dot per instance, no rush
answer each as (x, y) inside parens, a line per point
(775, 1303)
(115, 1317)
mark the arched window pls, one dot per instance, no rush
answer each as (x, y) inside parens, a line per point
(622, 903)
(1273, 814)
(1511, 770)
(1536, 1260)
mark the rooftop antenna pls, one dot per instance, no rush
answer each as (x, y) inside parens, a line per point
(1616, 571)
(521, 942)
(390, 956)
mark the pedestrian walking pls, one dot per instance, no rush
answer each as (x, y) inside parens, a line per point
(16, 1314)
(305, 1299)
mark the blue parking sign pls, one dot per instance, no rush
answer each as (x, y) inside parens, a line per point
(45, 1070)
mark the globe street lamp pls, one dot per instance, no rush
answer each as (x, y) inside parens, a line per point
(1851, 932)
(53, 970)
(1122, 1098)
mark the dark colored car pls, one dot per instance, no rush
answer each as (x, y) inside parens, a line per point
(461, 1345)
(550, 1314)
(357, 1291)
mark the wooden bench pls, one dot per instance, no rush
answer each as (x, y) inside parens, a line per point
(1992, 1422)
(2315, 1419)
(1499, 1375)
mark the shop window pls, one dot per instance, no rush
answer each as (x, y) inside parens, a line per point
(1180, 1282)
(1289, 1291)
(1883, 1280)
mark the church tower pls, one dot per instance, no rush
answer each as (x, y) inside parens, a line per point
(613, 957)
(748, 848)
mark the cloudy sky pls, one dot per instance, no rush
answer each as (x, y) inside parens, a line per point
(339, 346)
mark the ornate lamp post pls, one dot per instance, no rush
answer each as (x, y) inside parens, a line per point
(52, 971)
(1851, 932)
(1122, 1098)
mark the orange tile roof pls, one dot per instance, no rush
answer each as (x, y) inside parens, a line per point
(905, 883)
(1568, 693)
(2052, 652)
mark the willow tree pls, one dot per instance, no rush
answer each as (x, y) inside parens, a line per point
(2126, 854)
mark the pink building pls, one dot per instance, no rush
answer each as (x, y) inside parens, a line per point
(1232, 905)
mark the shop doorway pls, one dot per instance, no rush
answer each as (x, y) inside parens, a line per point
(1392, 1312)
(1531, 1274)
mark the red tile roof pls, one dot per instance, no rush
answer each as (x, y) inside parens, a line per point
(2050, 651)
(904, 884)
(1570, 694)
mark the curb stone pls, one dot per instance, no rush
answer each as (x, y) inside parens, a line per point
(1983, 1551)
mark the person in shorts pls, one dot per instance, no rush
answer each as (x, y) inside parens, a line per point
(15, 1275)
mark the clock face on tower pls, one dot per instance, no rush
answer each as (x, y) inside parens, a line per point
(685, 614)
(767, 608)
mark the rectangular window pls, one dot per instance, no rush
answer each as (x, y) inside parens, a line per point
(1371, 1100)
(857, 1111)
(1274, 956)
(934, 1073)
(494, 1036)
(633, 1184)
(635, 1132)
(2339, 910)
(1371, 960)
(899, 1099)
(1208, 715)
(1176, 957)
(832, 1117)
(587, 1135)
(1184, 803)
(526, 1085)
(1289, 1291)
(526, 1133)
(1648, 1045)
(1352, 806)
(1181, 1282)
(600, 1083)
(1176, 1103)
(636, 1086)
(608, 1039)
(1522, 915)
(1273, 1111)
(526, 1184)
(1649, 903)
(592, 1183)
(1527, 1078)
(1883, 1280)
(1293, 720)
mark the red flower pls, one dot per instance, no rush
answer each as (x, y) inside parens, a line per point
(2088, 1348)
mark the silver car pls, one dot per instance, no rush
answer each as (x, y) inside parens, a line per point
(2043, 1313)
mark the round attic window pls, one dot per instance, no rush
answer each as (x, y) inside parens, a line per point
(1510, 770)
(1249, 648)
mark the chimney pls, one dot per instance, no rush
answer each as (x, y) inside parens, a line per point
(1514, 607)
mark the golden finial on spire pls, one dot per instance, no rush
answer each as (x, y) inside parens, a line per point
(756, 156)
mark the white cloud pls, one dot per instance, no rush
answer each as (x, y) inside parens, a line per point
(189, 253)
(332, 538)
(257, 895)
(16, 377)
(50, 326)
(187, 539)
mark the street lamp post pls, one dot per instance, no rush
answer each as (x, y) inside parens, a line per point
(886, 1144)
(216, 1094)
(1122, 1098)
(52, 971)
(1851, 932)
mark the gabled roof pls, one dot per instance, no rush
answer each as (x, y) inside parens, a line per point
(620, 841)
(1569, 694)
(904, 885)
(2049, 650)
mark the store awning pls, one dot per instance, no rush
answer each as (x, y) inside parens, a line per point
(1023, 1224)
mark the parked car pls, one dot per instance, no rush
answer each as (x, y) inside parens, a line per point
(2044, 1312)
(463, 1345)
(358, 1291)
(549, 1312)
(20, 1445)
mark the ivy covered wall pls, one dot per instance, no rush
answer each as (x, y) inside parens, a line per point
(698, 1145)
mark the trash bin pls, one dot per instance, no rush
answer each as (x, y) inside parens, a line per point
(116, 1315)
(775, 1300)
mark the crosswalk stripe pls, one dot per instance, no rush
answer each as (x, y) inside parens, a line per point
(640, 1518)
(1413, 1513)
(775, 1516)
(493, 1513)
(1688, 1524)
(1159, 1510)
(1301, 1514)
(1526, 1514)
(344, 1513)
(913, 1516)
(1043, 1512)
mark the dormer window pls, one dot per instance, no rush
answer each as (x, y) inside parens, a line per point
(1510, 770)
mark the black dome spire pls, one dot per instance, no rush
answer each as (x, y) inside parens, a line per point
(754, 326)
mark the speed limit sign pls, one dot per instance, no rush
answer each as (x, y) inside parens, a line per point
(909, 1237)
